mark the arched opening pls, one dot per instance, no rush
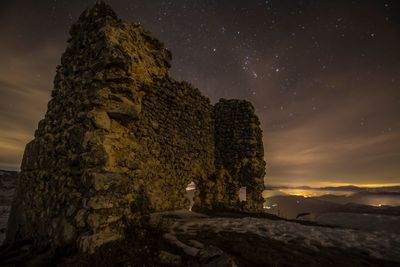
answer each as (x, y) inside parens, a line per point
(242, 194)
(190, 191)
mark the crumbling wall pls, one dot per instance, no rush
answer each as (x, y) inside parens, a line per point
(176, 131)
(77, 175)
(239, 160)
(116, 128)
(239, 152)
(118, 133)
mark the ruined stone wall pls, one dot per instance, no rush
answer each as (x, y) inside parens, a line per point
(239, 151)
(176, 131)
(239, 160)
(120, 137)
(116, 127)
(76, 175)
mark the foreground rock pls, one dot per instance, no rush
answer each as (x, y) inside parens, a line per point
(183, 238)
(266, 240)
(121, 139)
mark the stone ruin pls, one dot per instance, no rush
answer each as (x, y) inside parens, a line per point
(120, 136)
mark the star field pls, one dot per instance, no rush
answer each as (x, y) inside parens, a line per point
(322, 75)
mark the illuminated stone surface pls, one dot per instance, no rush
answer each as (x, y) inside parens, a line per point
(121, 138)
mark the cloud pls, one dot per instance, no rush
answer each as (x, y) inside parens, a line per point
(25, 86)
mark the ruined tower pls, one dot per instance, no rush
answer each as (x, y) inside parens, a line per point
(118, 131)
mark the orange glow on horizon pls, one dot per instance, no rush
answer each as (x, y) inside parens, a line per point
(333, 184)
(311, 193)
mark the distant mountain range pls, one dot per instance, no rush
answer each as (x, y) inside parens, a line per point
(8, 180)
(351, 188)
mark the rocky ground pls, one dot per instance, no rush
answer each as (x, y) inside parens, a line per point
(271, 241)
(184, 238)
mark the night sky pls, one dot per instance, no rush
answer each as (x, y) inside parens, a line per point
(324, 76)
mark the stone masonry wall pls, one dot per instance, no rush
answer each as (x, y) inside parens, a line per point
(76, 180)
(239, 151)
(118, 131)
(176, 131)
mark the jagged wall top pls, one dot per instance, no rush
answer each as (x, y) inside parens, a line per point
(116, 43)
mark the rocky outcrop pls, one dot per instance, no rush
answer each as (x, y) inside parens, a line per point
(121, 138)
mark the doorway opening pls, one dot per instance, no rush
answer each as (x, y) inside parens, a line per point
(190, 191)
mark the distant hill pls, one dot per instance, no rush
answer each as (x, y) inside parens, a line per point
(8, 180)
(350, 188)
